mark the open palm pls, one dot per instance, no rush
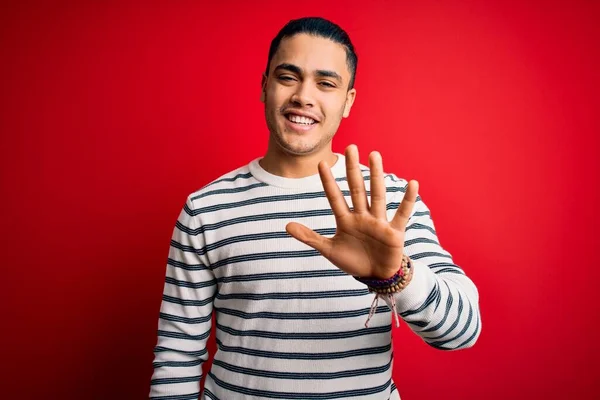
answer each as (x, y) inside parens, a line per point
(365, 244)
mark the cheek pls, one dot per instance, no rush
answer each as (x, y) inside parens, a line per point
(335, 110)
(276, 96)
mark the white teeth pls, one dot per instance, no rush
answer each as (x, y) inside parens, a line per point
(300, 119)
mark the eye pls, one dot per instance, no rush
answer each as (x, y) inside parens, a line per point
(286, 78)
(327, 84)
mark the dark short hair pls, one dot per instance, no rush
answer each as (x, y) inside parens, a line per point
(320, 27)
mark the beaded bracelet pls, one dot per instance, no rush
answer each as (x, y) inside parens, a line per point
(387, 287)
(397, 281)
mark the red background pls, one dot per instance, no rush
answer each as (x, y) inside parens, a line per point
(111, 113)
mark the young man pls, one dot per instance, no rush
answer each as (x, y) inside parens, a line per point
(292, 252)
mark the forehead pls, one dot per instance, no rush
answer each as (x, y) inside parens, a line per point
(312, 53)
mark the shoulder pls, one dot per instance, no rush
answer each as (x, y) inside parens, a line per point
(235, 181)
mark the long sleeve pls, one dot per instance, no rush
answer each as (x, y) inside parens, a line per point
(185, 314)
(441, 303)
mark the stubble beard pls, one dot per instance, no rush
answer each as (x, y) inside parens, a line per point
(298, 145)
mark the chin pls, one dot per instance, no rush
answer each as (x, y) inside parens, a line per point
(296, 146)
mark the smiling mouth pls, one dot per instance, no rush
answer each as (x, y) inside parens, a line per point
(300, 120)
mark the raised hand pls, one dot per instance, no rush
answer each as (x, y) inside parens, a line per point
(365, 244)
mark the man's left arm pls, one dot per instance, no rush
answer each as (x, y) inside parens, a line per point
(438, 301)
(441, 303)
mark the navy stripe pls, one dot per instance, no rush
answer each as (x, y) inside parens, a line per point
(247, 238)
(231, 190)
(185, 336)
(394, 178)
(303, 375)
(178, 364)
(246, 175)
(304, 356)
(450, 271)
(185, 320)
(475, 333)
(272, 199)
(438, 299)
(191, 396)
(266, 256)
(293, 295)
(197, 353)
(421, 213)
(443, 264)
(188, 210)
(420, 240)
(187, 267)
(418, 256)
(183, 379)
(449, 302)
(282, 275)
(420, 226)
(183, 247)
(184, 302)
(232, 179)
(209, 394)
(258, 200)
(314, 315)
(392, 206)
(306, 335)
(193, 285)
(301, 396)
(253, 218)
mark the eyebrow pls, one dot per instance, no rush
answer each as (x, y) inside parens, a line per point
(320, 72)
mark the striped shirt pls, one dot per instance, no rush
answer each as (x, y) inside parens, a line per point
(288, 323)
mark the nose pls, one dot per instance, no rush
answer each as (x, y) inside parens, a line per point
(302, 97)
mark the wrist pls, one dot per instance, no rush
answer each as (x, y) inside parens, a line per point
(396, 283)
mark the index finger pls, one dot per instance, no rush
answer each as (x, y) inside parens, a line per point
(332, 191)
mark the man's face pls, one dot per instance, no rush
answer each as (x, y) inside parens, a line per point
(306, 93)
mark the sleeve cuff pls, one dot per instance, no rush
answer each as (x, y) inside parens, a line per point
(418, 290)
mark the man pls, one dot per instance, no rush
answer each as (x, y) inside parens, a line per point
(294, 251)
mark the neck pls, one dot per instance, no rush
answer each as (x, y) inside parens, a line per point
(278, 162)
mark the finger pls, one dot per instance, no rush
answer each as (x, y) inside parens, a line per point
(332, 191)
(309, 237)
(356, 181)
(405, 209)
(378, 200)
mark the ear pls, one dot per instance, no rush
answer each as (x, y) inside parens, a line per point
(350, 96)
(264, 88)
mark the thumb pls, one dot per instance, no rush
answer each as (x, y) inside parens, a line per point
(309, 237)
